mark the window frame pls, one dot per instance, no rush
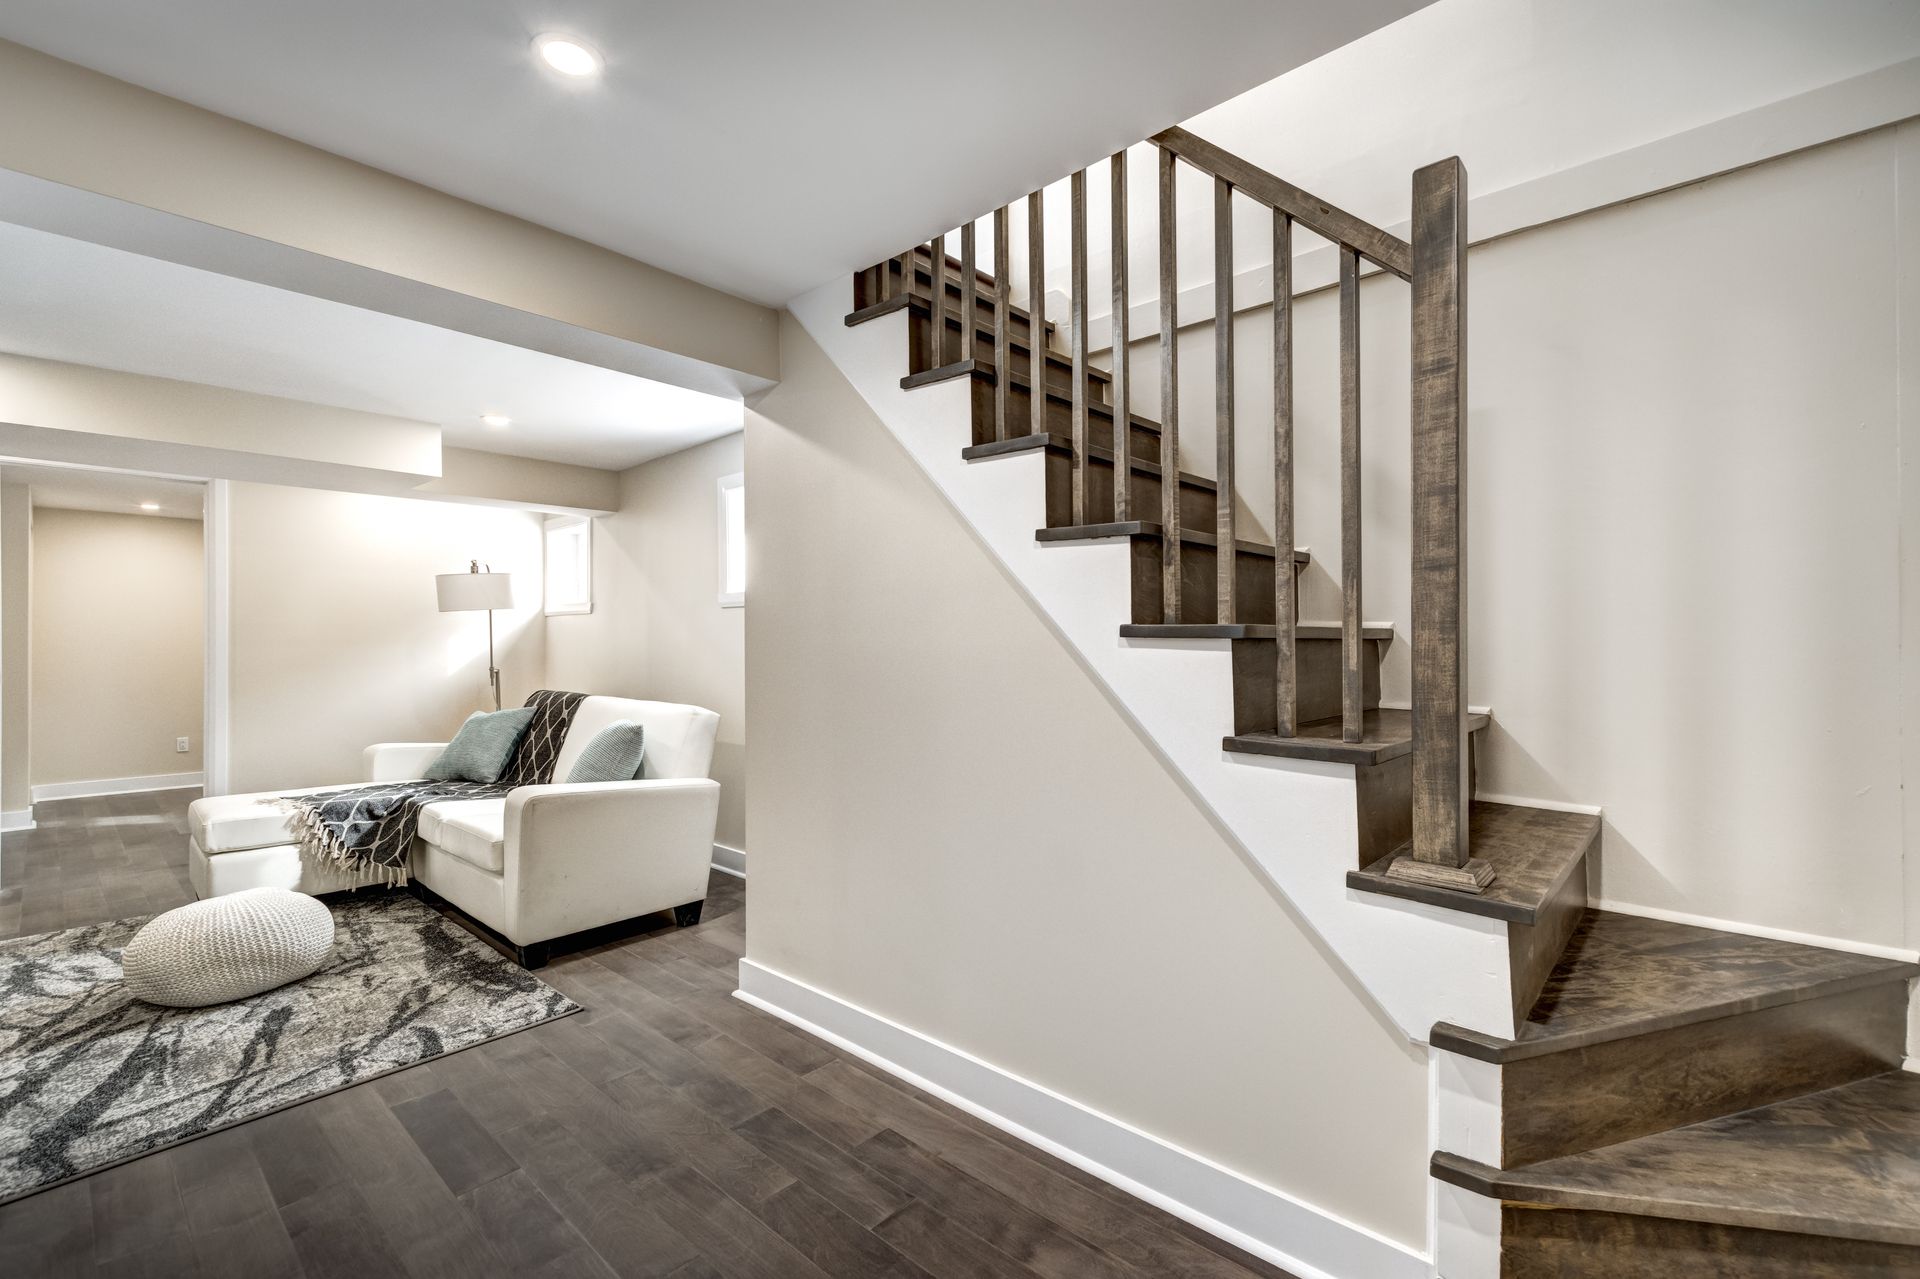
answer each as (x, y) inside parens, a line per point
(556, 524)
(737, 482)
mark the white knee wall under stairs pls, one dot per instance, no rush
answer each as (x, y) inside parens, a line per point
(1294, 818)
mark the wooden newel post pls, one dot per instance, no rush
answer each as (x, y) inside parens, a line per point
(1441, 786)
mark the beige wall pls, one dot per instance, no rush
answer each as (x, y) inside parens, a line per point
(657, 629)
(1686, 524)
(81, 129)
(16, 630)
(119, 623)
(63, 412)
(335, 638)
(956, 830)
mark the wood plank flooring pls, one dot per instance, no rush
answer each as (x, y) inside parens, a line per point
(668, 1130)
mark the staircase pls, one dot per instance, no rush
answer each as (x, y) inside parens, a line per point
(1628, 1096)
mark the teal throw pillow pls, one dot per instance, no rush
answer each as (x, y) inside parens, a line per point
(480, 750)
(613, 755)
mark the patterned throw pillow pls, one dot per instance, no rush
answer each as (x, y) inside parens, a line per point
(613, 755)
(480, 750)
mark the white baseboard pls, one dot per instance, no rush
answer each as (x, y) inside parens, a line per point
(17, 819)
(116, 786)
(1550, 805)
(731, 860)
(1268, 1223)
(1759, 930)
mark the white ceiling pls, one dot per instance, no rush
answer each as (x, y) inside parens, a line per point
(118, 492)
(760, 146)
(84, 303)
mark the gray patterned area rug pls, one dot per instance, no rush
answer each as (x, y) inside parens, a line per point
(89, 1076)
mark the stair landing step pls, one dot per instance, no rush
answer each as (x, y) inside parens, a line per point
(1243, 631)
(1624, 975)
(1840, 1164)
(1153, 528)
(1533, 851)
(1385, 735)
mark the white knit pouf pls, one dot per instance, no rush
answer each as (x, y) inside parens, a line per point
(227, 948)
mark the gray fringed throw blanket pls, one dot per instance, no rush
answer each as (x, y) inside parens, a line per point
(369, 830)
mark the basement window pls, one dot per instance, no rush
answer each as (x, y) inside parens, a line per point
(733, 540)
(569, 564)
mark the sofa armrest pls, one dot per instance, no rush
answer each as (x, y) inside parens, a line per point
(400, 761)
(579, 854)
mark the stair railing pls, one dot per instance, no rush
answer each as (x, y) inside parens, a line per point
(1434, 263)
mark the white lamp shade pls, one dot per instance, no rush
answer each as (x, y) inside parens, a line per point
(468, 592)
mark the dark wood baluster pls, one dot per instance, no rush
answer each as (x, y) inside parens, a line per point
(1169, 399)
(1225, 558)
(1121, 393)
(1037, 310)
(969, 291)
(1077, 187)
(1286, 601)
(904, 285)
(938, 302)
(1441, 785)
(1002, 324)
(1352, 694)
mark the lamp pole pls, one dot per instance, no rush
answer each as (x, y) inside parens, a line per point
(493, 671)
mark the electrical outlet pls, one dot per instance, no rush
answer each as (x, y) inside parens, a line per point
(180, 744)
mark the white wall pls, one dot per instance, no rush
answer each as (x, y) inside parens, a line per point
(657, 629)
(1686, 524)
(1520, 89)
(119, 624)
(336, 640)
(956, 830)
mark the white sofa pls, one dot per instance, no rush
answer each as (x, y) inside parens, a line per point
(540, 863)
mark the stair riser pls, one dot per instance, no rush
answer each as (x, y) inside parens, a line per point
(868, 291)
(1585, 1098)
(1534, 949)
(1317, 672)
(1253, 584)
(921, 357)
(1196, 503)
(1383, 799)
(1562, 1243)
(1145, 442)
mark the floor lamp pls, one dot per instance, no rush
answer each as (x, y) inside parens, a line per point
(476, 589)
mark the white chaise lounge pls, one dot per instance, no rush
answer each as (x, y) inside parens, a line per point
(540, 863)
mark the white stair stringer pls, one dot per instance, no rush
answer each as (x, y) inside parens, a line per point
(1295, 819)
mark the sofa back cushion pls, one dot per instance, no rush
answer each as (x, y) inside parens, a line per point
(679, 737)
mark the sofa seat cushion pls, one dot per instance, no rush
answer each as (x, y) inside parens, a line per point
(231, 823)
(474, 830)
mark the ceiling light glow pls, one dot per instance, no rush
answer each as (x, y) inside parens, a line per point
(149, 506)
(496, 419)
(567, 56)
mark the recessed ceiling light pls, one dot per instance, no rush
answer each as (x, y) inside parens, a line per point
(566, 55)
(496, 419)
(149, 506)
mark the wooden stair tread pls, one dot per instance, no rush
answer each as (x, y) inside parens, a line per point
(1385, 735)
(1063, 446)
(1625, 975)
(1843, 1164)
(982, 370)
(1153, 528)
(1243, 631)
(918, 303)
(1533, 851)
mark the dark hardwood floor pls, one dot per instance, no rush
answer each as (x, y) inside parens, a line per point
(668, 1130)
